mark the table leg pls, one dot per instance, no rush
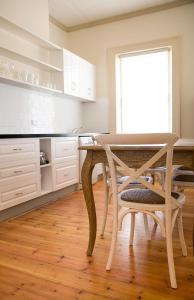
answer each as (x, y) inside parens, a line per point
(86, 175)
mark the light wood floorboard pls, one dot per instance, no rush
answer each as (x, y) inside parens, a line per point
(43, 256)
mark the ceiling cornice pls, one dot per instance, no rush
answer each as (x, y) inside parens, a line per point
(125, 16)
(57, 23)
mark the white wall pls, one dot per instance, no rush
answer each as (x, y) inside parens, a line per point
(33, 15)
(26, 111)
(58, 36)
(92, 43)
(23, 111)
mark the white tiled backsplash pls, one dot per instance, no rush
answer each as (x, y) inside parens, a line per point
(25, 111)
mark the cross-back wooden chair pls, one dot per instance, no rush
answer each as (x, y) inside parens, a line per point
(161, 171)
(108, 196)
(146, 201)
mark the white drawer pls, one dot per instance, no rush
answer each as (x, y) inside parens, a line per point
(18, 149)
(12, 197)
(21, 192)
(65, 176)
(63, 149)
(17, 170)
(15, 182)
(68, 161)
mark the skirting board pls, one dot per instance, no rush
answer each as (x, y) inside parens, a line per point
(25, 207)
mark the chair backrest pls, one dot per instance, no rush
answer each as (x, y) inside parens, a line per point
(165, 141)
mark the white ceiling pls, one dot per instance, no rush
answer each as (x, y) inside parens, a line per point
(76, 12)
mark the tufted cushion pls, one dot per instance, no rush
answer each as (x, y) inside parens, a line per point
(122, 179)
(184, 178)
(144, 196)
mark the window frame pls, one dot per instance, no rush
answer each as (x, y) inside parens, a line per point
(114, 55)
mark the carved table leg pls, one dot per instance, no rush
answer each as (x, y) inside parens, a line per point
(86, 175)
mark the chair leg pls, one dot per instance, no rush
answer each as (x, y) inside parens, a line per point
(181, 234)
(170, 254)
(163, 180)
(106, 200)
(155, 225)
(122, 213)
(113, 244)
(132, 229)
(147, 232)
(105, 211)
(110, 196)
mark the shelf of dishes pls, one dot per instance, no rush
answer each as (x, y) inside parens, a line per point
(16, 74)
(31, 86)
(14, 55)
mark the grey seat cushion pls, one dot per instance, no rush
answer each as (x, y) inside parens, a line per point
(122, 179)
(184, 168)
(144, 196)
(184, 178)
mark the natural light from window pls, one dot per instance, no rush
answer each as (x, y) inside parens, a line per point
(145, 92)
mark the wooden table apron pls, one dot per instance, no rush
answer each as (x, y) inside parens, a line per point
(133, 158)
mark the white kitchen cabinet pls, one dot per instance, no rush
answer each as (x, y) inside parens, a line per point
(79, 76)
(65, 162)
(87, 80)
(19, 171)
(22, 178)
(71, 65)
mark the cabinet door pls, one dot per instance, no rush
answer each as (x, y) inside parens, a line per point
(79, 76)
(75, 83)
(91, 74)
(71, 63)
(67, 71)
(87, 80)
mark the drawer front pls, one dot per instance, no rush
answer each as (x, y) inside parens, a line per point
(68, 161)
(65, 176)
(14, 150)
(17, 170)
(19, 181)
(12, 197)
(63, 149)
(17, 148)
(21, 192)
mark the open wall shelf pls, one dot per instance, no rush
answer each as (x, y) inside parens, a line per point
(30, 61)
(26, 34)
(30, 86)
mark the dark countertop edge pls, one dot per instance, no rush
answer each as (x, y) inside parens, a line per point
(44, 135)
(36, 135)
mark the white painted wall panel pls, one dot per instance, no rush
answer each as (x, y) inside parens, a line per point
(32, 15)
(92, 43)
(24, 111)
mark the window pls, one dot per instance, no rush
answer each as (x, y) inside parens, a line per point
(144, 87)
(145, 92)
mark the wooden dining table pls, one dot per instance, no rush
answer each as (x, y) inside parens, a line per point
(134, 157)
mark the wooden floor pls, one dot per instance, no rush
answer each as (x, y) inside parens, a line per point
(42, 256)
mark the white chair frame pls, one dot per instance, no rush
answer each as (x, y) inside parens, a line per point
(171, 208)
(107, 199)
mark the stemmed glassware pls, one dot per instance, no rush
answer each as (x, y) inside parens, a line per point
(9, 70)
